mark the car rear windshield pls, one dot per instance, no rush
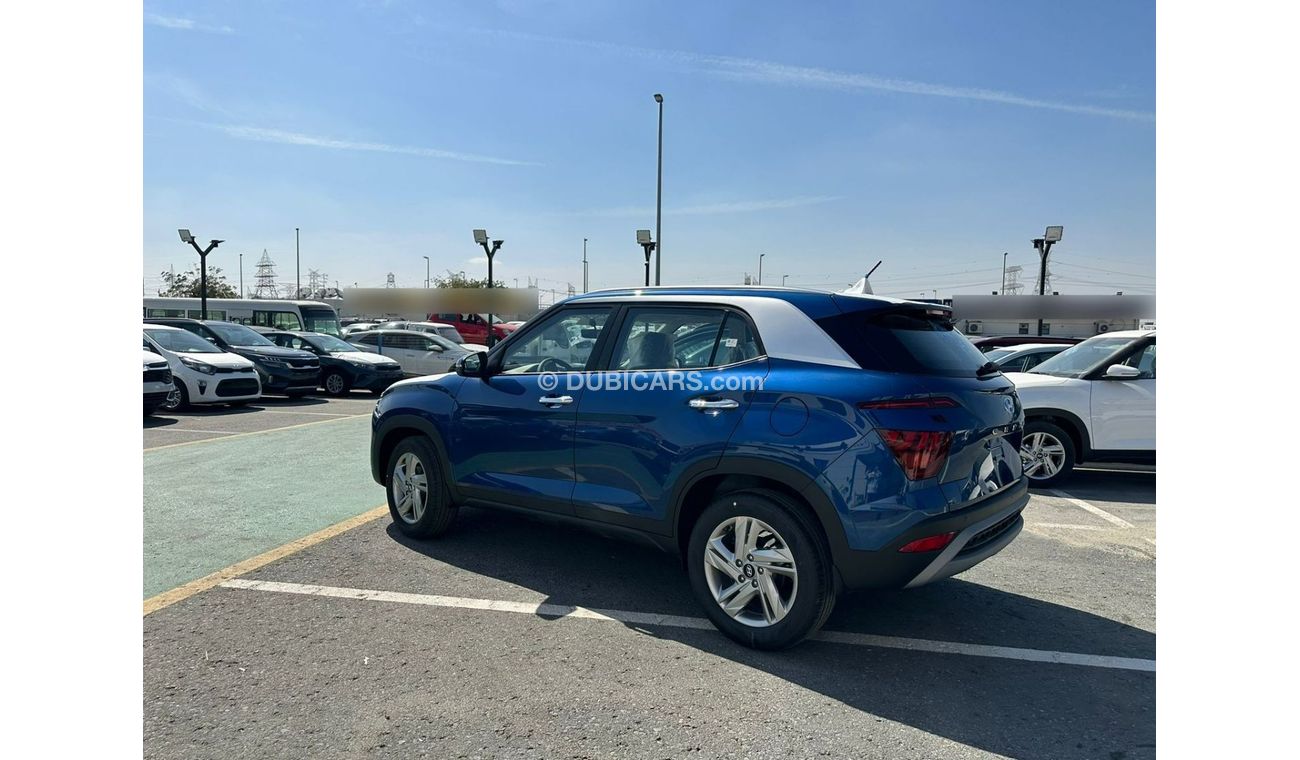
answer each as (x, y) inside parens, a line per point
(920, 341)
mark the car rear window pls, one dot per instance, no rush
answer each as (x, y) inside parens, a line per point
(919, 341)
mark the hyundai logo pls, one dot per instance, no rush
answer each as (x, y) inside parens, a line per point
(1010, 404)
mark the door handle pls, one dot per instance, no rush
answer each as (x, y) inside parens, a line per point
(713, 405)
(555, 400)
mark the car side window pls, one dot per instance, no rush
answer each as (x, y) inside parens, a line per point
(1145, 362)
(563, 342)
(736, 343)
(667, 338)
(425, 344)
(369, 340)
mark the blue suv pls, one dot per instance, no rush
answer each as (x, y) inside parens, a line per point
(788, 444)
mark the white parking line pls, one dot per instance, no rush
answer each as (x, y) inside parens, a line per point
(1098, 511)
(317, 414)
(677, 621)
(1065, 525)
(192, 430)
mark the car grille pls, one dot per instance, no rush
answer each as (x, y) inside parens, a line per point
(228, 370)
(990, 533)
(304, 363)
(237, 387)
(160, 375)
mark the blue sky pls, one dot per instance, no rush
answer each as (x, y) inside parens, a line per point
(932, 135)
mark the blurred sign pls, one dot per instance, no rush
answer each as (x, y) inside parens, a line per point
(418, 303)
(1054, 307)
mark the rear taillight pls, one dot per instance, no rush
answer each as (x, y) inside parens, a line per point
(928, 544)
(929, 402)
(920, 453)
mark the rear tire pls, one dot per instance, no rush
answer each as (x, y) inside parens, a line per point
(1047, 454)
(800, 585)
(424, 508)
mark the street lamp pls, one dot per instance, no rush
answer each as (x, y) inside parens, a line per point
(659, 191)
(584, 265)
(760, 268)
(426, 272)
(481, 237)
(297, 265)
(241, 275)
(186, 237)
(783, 279)
(1043, 245)
(1004, 273)
(648, 245)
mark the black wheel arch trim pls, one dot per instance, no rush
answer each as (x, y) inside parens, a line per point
(1085, 449)
(396, 422)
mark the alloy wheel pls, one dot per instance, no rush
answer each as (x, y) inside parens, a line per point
(1042, 455)
(334, 383)
(410, 486)
(751, 571)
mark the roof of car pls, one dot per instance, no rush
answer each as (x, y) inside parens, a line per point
(814, 303)
(1031, 346)
(1127, 334)
(153, 326)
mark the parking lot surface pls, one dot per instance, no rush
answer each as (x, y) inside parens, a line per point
(515, 637)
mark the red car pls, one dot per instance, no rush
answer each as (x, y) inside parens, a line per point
(473, 327)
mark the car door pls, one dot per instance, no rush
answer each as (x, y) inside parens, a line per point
(512, 433)
(1124, 410)
(672, 393)
(431, 357)
(404, 349)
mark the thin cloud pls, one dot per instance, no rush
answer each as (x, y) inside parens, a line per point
(709, 209)
(186, 92)
(768, 72)
(260, 134)
(184, 24)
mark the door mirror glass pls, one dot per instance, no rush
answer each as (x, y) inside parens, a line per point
(1122, 372)
(471, 365)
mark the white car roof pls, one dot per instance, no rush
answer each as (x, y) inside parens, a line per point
(149, 326)
(1126, 334)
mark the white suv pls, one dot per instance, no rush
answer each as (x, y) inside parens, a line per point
(1093, 402)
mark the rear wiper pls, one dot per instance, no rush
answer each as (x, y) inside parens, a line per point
(988, 368)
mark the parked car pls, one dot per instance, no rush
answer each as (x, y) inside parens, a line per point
(990, 342)
(356, 327)
(342, 365)
(473, 327)
(435, 328)
(880, 452)
(202, 372)
(418, 353)
(157, 381)
(1024, 357)
(280, 370)
(1094, 402)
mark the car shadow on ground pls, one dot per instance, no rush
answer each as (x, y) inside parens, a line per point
(1007, 706)
(1125, 487)
(157, 421)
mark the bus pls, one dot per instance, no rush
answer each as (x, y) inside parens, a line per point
(308, 316)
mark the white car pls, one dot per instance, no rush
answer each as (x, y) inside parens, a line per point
(357, 327)
(201, 372)
(436, 328)
(1093, 402)
(157, 381)
(1024, 357)
(419, 353)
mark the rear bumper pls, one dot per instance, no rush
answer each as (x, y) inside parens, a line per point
(983, 529)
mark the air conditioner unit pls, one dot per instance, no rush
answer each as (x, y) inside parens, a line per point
(974, 328)
(1103, 327)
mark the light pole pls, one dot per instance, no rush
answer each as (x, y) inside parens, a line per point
(1043, 245)
(584, 265)
(648, 245)
(783, 279)
(186, 237)
(241, 275)
(760, 268)
(481, 237)
(426, 272)
(659, 192)
(1003, 291)
(297, 265)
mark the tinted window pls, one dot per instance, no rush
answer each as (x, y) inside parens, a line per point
(237, 335)
(181, 342)
(568, 337)
(320, 320)
(909, 340)
(1145, 361)
(369, 340)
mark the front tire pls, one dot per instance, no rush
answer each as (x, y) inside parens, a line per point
(418, 500)
(1046, 453)
(759, 566)
(335, 384)
(178, 401)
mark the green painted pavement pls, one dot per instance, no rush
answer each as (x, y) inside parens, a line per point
(211, 504)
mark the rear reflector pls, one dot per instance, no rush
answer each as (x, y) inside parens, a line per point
(928, 544)
(931, 402)
(920, 453)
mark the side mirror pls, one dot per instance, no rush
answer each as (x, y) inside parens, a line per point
(472, 365)
(1122, 372)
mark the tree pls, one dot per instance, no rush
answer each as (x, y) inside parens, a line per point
(186, 284)
(461, 280)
